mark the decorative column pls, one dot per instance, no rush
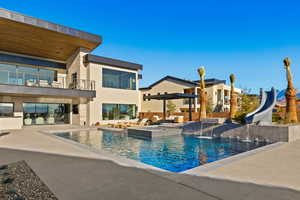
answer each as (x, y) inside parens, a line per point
(290, 95)
(233, 97)
(202, 94)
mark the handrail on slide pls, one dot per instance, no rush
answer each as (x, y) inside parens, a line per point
(263, 114)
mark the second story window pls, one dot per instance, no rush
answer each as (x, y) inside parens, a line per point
(23, 75)
(118, 79)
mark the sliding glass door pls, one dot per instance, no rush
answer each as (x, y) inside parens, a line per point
(119, 111)
(44, 113)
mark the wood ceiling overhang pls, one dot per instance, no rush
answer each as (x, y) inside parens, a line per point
(31, 36)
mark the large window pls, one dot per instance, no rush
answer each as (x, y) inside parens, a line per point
(43, 113)
(118, 79)
(21, 75)
(119, 111)
(6, 109)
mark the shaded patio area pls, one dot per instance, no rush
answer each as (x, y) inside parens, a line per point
(171, 96)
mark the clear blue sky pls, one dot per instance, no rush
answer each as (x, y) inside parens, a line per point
(247, 38)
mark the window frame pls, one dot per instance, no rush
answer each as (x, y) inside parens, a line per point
(17, 72)
(67, 111)
(120, 81)
(119, 114)
(13, 109)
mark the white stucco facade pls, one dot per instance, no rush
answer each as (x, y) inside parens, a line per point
(109, 95)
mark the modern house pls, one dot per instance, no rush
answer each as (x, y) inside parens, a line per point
(218, 94)
(49, 76)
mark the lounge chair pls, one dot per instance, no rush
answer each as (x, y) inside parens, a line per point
(43, 83)
(155, 118)
(50, 120)
(127, 124)
(118, 125)
(40, 120)
(179, 119)
(143, 122)
(27, 121)
(56, 84)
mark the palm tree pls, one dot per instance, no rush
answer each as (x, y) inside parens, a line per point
(233, 97)
(202, 94)
(290, 94)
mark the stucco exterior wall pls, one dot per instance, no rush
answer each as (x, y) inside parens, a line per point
(212, 93)
(108, 95)
(75, 64)
(7, 123)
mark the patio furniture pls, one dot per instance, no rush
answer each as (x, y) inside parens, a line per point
(179, 119)
(40, 120)
(143, 122)
(43, 83)
(29, 83)
(155, 118)
(28, 121)
(56, 84)
(127, 124)
(171, 117)
(50, 120)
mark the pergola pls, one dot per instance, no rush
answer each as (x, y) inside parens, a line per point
(170, 96)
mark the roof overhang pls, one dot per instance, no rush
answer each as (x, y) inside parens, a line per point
(31, 36)
(112, 62)
(173, 79)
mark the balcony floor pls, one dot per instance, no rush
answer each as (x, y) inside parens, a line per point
(45, 91)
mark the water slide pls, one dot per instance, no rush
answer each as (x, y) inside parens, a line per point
(263, 114)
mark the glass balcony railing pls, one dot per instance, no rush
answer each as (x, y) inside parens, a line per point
(34, 80)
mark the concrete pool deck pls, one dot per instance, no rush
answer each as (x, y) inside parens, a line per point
(278, 166)
(72, 178)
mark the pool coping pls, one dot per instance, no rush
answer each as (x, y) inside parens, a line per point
(201, 170)
(197, 171)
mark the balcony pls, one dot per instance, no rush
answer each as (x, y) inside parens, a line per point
(29, 84)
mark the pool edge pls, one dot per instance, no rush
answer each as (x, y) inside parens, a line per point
(201, 170)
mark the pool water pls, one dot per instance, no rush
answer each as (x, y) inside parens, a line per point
(173, 153)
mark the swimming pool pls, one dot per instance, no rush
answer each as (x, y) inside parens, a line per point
(173, 153)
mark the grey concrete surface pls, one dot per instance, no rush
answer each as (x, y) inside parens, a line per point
(150, 132)
(83, 178)
(232, 190)
(71, 178)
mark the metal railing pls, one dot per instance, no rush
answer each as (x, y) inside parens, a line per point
(82, 84)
